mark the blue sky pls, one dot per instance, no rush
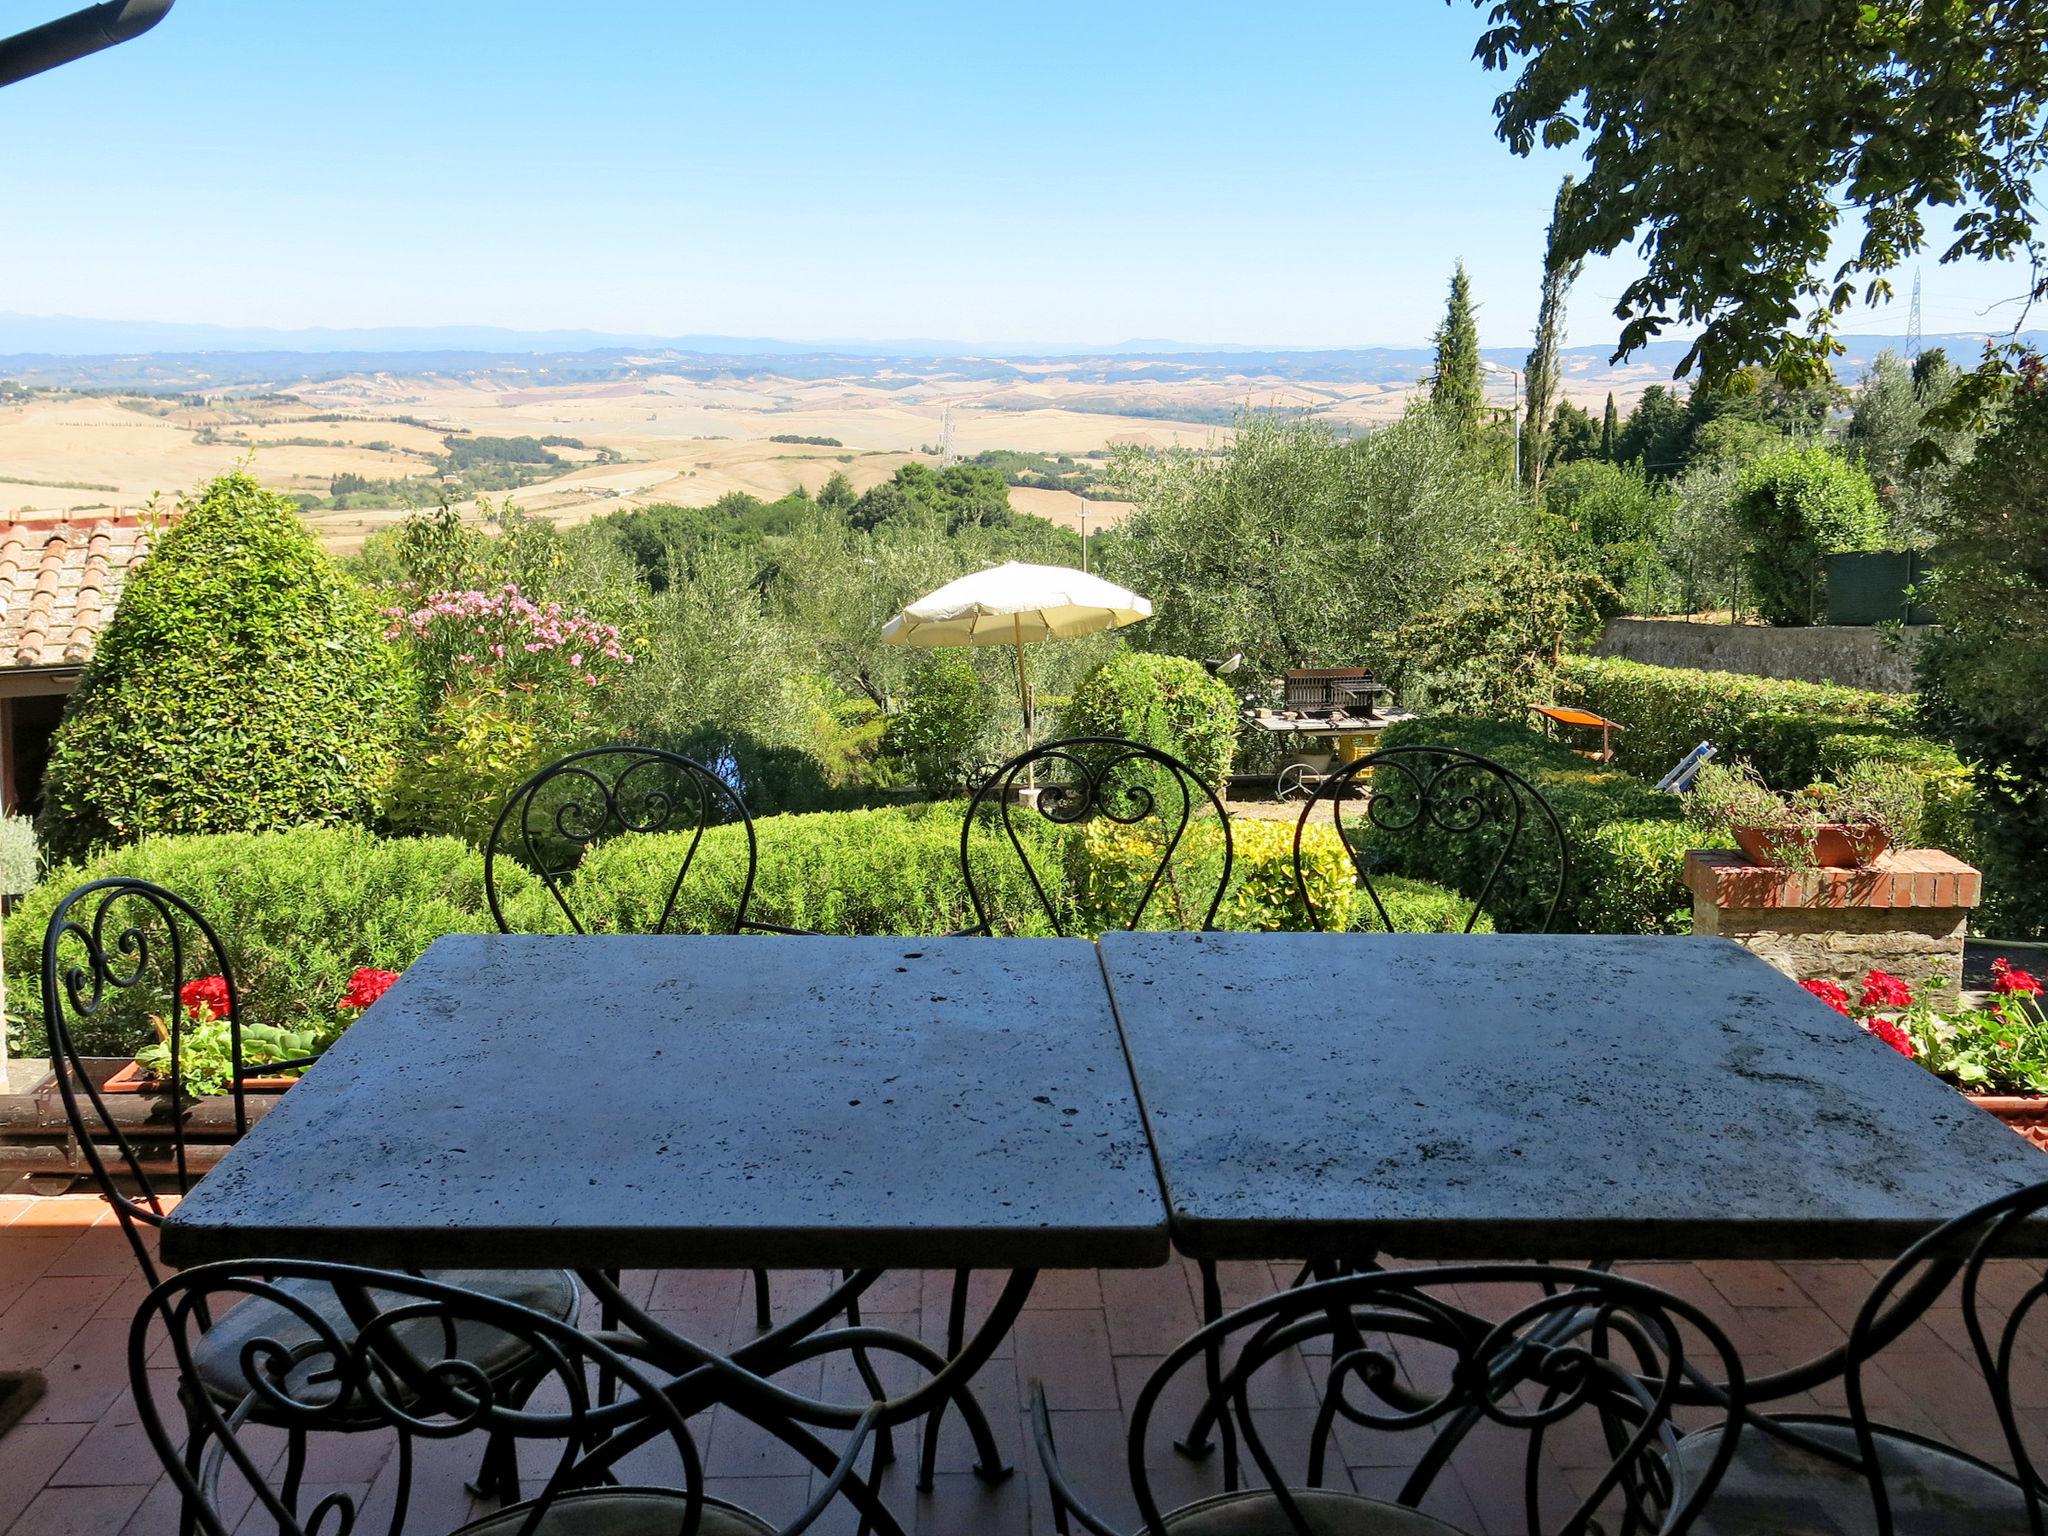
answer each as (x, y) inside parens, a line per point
(1297, 175)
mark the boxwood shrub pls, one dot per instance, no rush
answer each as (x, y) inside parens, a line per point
(1626, 840)
(298, 910)
(243, 684)
(1110, 865)
(1168, 702)
(1792, 732)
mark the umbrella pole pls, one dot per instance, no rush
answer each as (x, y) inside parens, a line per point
(1024, 699)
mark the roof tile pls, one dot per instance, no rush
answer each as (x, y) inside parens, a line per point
(59, 581)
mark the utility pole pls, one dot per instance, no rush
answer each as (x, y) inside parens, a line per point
(1913, 323)
(1084, 532)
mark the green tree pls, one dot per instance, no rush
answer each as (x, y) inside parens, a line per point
(1560, 271)
(1797, 506)
(1610, 428)
(244, 683)
(1573, 435)
(837, 493)
(1455, 391)
(1726, 142)
(1891, 404)
(1495, 644)
(1300, 549)
(1656, 434)
(1705, 545)
(1613, 519)
(1985, 674)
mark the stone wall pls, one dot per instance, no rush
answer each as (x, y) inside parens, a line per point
(1856, 658)
(1908, 914)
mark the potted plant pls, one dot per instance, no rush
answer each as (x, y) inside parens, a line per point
(205, 1047)
(1997, 1056)
(1843, 825)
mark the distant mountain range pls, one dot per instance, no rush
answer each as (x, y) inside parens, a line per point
(62, 350)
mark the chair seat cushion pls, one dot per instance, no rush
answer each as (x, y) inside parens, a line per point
(620, 1512)
(1776, 1488)
(218, 1355)
(1255, 1512)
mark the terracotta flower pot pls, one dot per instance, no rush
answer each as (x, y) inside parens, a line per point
(136, 1078)
(2026, 1113)
(1832, 846)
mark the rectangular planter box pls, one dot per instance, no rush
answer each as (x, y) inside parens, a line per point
(35, 1138)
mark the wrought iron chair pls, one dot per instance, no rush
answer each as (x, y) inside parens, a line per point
(1853, 1473)
(1426, 791)
(123, 950)
(553, 819)
(1088, 777)
(1127, 783)
(550, 822)
(401, 1363)
(1405, 1358)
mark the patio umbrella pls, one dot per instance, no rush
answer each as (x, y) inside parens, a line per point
(1014, 604)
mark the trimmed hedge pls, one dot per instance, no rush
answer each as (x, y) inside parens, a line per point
(1109, 865)
(298, 910)
(882, 871)
(1626, 840)
(1791, 732)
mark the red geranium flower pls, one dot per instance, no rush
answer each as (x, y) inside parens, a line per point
(1830, 994)
(2007, 978)
(1881, 989)
(208, 992)
(1892, 1036)
(366, 985)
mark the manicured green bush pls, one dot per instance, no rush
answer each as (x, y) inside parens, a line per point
(1625, 841)
(298, 910)
(243, 684)
(1791, 732)
(863, 872)
(1798, 506)
(1110, 865)
(1167, 702)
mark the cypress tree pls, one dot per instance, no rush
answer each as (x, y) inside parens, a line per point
(1454, 388)
(1559, 273)
(1610, 424)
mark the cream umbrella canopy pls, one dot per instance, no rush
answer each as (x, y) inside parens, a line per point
(1016, 604)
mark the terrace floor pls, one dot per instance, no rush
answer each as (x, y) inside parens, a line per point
(79, 1465)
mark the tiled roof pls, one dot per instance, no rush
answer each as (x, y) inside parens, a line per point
(59, 581)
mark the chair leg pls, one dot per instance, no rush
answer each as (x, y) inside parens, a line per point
(294, 1469)
(764, 1313)
(195, 1454)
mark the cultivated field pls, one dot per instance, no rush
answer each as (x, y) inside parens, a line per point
(669, 438)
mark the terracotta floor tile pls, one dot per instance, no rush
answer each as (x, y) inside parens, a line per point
(1069, 1352)
(78, 1511)
(29, 1455)
(1095, 1338)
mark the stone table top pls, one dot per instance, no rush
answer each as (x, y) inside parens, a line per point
(1530, 1096)
(706, 1101)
